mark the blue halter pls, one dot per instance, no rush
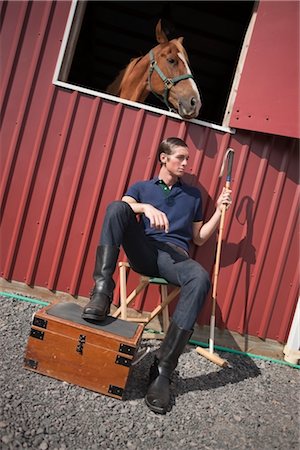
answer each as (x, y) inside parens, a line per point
(168, 82)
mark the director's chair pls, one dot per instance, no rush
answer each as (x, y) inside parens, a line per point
(161, 308)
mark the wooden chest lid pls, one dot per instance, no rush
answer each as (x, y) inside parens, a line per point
(72, 312)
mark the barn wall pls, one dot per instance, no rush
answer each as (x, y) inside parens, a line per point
(66, 155)
(268, 93)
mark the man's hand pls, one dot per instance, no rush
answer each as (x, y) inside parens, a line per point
(157, 218)
(224, 199)
(202, 232)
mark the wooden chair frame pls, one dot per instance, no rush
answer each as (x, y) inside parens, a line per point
(125, 299)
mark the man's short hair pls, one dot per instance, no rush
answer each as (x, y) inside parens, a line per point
(167, 145)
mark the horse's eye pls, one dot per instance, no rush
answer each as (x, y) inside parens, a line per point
(171, 60)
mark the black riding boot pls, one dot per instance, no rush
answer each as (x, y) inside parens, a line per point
(158, 395)
(101, 297)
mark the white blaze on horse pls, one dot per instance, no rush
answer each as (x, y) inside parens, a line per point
(165, 72)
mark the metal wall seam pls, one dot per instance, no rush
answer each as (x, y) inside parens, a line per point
(183, 129)
(267, 234)
(248, 230)
(95, 199)
(3, 7)
(261, 172)
(24, 107)
(13, 57)
(255, 196)
(199, 157)
(130, 153)
(249, 300)
(28, 187)
(157, 138)
(257, 192)
(42, 222)
(70, 207)
(281, 261)
(54, 179)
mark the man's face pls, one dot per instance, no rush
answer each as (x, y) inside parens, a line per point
(176, 162)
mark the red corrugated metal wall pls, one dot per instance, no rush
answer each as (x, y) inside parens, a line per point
(66, 155)
(269, 92)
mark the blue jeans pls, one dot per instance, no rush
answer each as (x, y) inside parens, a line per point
(152, 258)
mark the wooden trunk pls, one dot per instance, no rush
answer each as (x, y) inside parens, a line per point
(95, 356)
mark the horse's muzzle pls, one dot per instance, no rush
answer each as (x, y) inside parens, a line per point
(189, 109)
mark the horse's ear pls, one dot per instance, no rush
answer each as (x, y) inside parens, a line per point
(161, 36)
(180, 39)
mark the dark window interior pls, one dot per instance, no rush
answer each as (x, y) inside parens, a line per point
(114, 32)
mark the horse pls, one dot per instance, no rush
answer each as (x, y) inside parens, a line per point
(165, 72)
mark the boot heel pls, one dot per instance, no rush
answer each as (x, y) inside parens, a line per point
(97, 309)
(158, 395)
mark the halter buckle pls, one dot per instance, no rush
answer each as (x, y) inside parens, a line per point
(152, 63)
(168, 83)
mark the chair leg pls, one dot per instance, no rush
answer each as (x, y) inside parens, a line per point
(165, 311)
(123, 293)
(164, 303)
(125, 301)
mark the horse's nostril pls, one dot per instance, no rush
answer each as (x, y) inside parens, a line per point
(193, 101)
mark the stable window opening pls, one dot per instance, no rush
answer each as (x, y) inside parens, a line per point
(102, 37)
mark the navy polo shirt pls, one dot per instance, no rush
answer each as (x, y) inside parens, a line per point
(182, 205)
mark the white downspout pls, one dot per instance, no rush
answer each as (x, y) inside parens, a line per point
(292, 348)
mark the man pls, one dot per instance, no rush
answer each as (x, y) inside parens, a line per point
(157, 246)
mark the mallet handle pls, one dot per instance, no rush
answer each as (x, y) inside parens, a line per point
(230, 154)
(212, 357)
(221, 227)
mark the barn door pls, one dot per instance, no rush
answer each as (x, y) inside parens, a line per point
(265, 95)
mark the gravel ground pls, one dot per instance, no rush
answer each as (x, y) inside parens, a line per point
(254, 404)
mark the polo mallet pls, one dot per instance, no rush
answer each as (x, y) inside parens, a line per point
(209, 354)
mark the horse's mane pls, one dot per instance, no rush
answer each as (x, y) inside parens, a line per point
(115, 87)
(128, 70)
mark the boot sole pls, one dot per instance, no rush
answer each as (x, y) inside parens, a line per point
(155, 409)
(93, 317)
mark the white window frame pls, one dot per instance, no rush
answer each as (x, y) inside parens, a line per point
(59, 66)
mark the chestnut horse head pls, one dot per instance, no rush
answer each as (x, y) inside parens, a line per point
(165, 72)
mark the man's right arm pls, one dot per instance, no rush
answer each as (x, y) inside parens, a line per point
(157, 218)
